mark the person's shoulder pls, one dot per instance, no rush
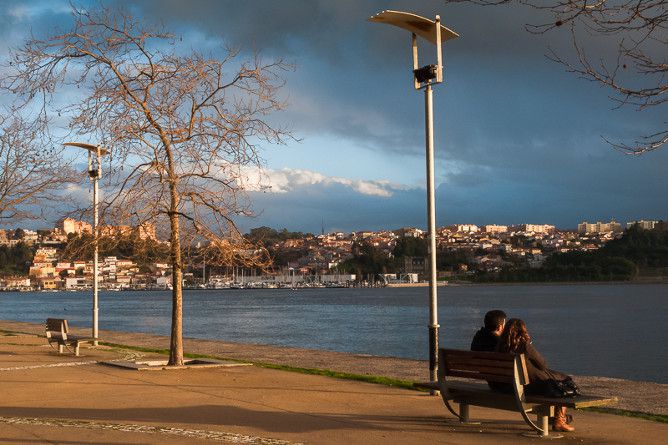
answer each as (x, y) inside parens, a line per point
(483, 340)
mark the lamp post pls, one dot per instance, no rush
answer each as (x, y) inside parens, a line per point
(423, 78)
(95, 153)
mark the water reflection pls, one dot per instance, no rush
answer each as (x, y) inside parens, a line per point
(612, 330)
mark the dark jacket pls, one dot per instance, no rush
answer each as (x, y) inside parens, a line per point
(538, 371)
(484, 340)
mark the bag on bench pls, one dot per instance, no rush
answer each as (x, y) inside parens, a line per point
(562, 388)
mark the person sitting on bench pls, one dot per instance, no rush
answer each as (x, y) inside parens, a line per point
(487, 337)
(515, 338)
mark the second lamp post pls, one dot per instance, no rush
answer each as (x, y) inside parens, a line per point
(95, 153)
(425, 77)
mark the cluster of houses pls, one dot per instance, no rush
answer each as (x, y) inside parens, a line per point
(48, 271)
(486, 248)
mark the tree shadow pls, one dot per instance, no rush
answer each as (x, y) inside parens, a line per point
(222, 416)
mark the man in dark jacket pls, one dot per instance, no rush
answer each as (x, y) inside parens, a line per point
(488, 336)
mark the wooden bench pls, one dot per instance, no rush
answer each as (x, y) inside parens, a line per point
(500, 368)
(57, 332)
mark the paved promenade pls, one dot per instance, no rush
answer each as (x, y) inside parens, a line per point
(51, 398)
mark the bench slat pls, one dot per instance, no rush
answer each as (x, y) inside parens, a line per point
(481, 376)
(479, 362)
(501, 356)
(56, 324)
(577, 402)
(480, 369)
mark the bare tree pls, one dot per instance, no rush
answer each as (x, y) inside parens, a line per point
(182, 127)
(636, 74)
(33, 172)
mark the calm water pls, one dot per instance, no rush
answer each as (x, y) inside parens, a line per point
(607, 330)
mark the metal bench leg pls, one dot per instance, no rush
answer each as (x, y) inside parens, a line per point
(464, 416)
(542, 425)
(60, 348)
(464, 412)
(76, 349)
(544, 422)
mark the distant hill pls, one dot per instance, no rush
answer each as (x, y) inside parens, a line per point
(638, 252)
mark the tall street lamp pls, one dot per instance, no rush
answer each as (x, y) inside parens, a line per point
(95, 153)
(423, 78)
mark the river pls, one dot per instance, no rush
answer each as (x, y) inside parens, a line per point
(614, 330)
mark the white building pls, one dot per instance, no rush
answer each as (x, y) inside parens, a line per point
(599, 227)
(493, 228)
(537, 228)
(467, 228)
(646, 225)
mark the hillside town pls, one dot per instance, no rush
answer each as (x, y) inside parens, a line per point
(305, 259)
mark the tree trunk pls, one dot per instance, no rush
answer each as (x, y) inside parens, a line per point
(176, 342)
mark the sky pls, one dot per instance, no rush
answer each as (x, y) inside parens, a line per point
(517, 138)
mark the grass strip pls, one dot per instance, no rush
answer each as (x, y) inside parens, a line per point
(380, 380)
(661, 418)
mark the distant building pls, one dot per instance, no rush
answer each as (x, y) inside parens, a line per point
(599, 227)
(493, 228)
(70, 225)
(15, 283)
(646, 225)
(416, 265)
(115, 231)
(146, 231)
(467, 228)
(537, 228)
(411, 232)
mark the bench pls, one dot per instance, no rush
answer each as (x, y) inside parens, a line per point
(499, 367)
(57, 332)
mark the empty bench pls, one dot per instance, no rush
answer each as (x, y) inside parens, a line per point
(57, 333)
(483, 367)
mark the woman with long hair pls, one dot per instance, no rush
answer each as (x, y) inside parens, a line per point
(515, 338)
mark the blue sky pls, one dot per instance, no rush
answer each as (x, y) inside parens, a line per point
(517, 138)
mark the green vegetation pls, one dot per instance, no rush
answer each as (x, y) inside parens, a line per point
(268, 236)
(367, 259)
(15, 260)
(380, 380)
(619, 260)
(410, 246)
(272, 240)
(661, 418)
(142, 252)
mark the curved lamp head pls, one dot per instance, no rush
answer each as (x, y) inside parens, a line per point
(90, 147)
(430, 30)
(95, 152)
(416, 24)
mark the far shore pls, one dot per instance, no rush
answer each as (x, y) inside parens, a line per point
(527, 283)
(443, 283)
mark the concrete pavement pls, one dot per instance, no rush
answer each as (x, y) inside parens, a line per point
(51, 398)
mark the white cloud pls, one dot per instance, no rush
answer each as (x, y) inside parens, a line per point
(286, 180)
(25, 11)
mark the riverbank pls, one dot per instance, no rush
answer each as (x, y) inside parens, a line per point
(52, 398)
(636, 396)
(554, 283)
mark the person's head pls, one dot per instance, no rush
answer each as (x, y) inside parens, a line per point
(495, 321)
(515, 337)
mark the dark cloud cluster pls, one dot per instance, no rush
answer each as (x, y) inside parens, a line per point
(517, 137)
